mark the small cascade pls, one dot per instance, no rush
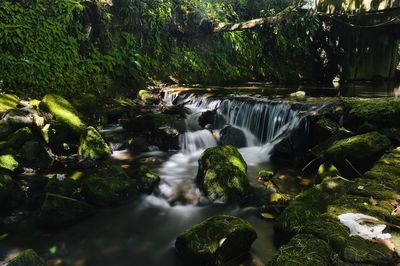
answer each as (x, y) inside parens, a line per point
(197, 140)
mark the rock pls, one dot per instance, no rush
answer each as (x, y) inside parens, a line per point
(351, 249)
(58, 210)
(150, 122)
(319, 149)
(216, 240)
(26, 117)
(5, 129)
(66, 187)
(323, 129)
(393, 134)
(27, 257)
(8, 102)
(63, 111)
(386, 169)
(8, 162)
(207, 118)
(298, 94)
(138, 145)
(222, 174)
(56, 134)
(367, 127)
(146, 179)
(230, 135)
(166, 138)
(361, 151)
(93, 146)
(86, 103)
(265, 175)
(108, 185)
(19, 137)
(304, 249)
(34, 155)
(309, 205)
(10, 193)
(147, 97)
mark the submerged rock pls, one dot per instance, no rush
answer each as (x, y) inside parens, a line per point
(93, 146)
(63, 111)
(304, 249)
(216, 240)
(222, 174)
(58, 210)
(230, 135)
(27, 258)
(360, 151)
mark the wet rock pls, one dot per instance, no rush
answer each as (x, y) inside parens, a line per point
(150, 122)
(67, 187)
(93, 146)
(5, 129)
(230, 135)
(146, 179)
(8, 162)
(8, 102)
(393, 134)
(327, 170)
(222, 174)
(59, 210)
(19, 137)
(34, 155)
(56, 135)
(26, 117)
(265, 175)
(63, 111)
(351, 249)
(207, 118)
(10, 194)
(309, 205)
(216, 241)
(387, 169)
(323, 129)
(304, 249)
(138, 145)
(147, 97)
(25, 258)
(361, 151)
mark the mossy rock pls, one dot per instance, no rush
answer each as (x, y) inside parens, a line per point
(146, 179)
(8, 162)
(327, 170)
(93, 146)
(56, 134)
(319, 149)
(67, 187)
(383, 112)
(8, 102)
(19, 137)
(309, 205)
(63, 111)
(27, 258)
(34, 155)
(323, 129)
(147, 97)
(216, 240)
(351, 249)
(304, 250)
(377, 189)
(361, 151)
(387, 168)
(265, 174)
(58, 210)
(10, 194)
(5, 130)
(222, 174)
(152, 122)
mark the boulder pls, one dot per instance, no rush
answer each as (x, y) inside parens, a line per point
(10, 193)
(304, 249)
(216, 241)
(8, 102)
(58, 210)
(26, 117)
(8, 162)
(230, 135)
(323, 129)
(93, 146)
(27, 258)
(63, 111)
(361, 151)
(207, 118)
(19, 137)
(67, 187)
(146, 179)
(147, 97)
(386, 169)
(34, 155)
(5, 129)
(222, 174)
(166, 138)
(56, 134)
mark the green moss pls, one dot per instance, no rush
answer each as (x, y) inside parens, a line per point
(351, 249)
(147, 180)
(222, 174)
(8, 162)
(27, 257)
(93, 146)
(145, 96)
(216, 240)
(319, 149)
(265, 174)
(63, 111)
(387, 168)
(378, 189)
(304, 250)
(58, 210)
(8, 102)
(66, 187)
(309, 205)
(327, 170)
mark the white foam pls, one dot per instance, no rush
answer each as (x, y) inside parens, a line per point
(367, 231)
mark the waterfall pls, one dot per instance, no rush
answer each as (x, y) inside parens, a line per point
(197, 140)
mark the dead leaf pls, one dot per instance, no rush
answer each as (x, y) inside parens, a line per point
(373, 201)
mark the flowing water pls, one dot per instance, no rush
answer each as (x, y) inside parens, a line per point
(143, 232)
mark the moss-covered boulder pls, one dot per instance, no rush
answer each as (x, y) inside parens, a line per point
(360, 151)
(216, 240)
(93, 146)
(327, 170)
(146, 179)
(381, 112)
(351, 249)
(58, 210)
(8, 162)
(19, 137)
(309, 205)
(34, 155)
(323, 129)
(27, 258)
(67, 187)
(387, 168)
(222, 174)
(56, 134)
(8, 102)
(147, 97)
(304, 250)
(5, 130)
(10, 194)
(63, 111)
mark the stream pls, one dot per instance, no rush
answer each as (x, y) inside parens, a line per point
(143, 232)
